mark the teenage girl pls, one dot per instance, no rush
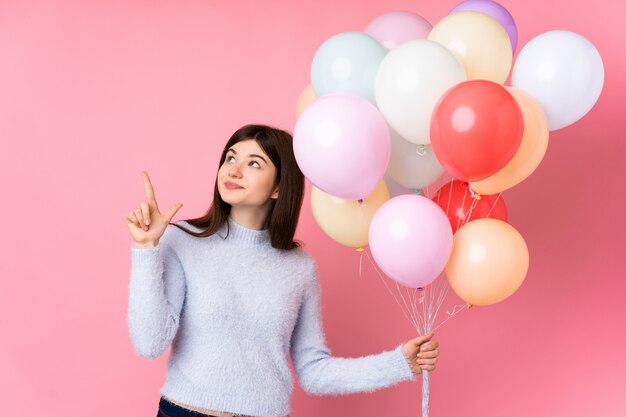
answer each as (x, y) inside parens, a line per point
(236, 296)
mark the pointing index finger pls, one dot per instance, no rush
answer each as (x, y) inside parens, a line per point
(148, 186)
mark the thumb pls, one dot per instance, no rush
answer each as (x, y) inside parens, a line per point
(172, 211)
(422, 339)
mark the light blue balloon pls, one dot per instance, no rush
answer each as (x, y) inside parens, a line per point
(347, 63)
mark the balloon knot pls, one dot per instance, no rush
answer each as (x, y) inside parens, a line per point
(359, 249)
(360, 201)
(475, 194)
(470, 305)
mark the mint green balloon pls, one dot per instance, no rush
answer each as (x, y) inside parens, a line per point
(347, 63)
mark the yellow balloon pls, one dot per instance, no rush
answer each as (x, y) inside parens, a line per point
(307, 96)
(347, 221)
(479, 42)
(489, 261)
(530, 152)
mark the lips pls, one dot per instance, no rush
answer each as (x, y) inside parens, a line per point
(232, 186)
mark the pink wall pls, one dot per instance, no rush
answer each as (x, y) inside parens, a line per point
(91, 93)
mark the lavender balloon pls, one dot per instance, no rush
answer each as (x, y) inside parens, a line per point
(495, 10)
(411, 240)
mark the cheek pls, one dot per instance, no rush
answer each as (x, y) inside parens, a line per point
(267, 181)
(223, 170)
(260, 183)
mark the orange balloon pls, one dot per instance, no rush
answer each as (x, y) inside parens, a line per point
(347, 221)
(489, 261)
(530, 152)
(307, 96)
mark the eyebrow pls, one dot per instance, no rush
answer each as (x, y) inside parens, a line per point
(252, 154)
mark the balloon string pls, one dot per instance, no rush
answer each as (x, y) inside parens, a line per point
(455, 311)
(459, 219)
(413, 320)
(442, 293)
(494, 204)
(386, 286)
(449, 198)
(416, 309)
(361, 265)
(450, 315)
(362, 204)
(431, 302)
(469, 212)
(425, 392)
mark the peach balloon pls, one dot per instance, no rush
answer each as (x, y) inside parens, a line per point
(307, 96)
(347, 221)
(479, 42)
(530, 152)
(489, 261)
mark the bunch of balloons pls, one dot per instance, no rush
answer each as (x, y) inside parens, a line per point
(413, 101)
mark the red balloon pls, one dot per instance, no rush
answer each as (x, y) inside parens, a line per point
(456, 200)
(476, 129)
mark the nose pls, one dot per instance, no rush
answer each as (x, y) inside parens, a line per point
(234, 170)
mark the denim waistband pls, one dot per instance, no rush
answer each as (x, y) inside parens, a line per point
(174, 410)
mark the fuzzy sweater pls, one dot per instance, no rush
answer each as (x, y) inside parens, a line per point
(233, 310)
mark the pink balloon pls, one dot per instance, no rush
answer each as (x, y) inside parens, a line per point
(411, 240)
(342, 145)
(393, 28)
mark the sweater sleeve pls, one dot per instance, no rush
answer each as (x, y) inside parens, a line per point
(319, 373)
(157, 292)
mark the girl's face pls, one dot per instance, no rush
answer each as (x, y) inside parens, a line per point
(247, 176)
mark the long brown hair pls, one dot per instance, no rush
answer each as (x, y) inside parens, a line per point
(282, 218)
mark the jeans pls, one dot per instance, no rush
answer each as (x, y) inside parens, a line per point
(169, 409)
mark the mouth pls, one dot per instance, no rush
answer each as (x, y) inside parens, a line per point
(232, 186)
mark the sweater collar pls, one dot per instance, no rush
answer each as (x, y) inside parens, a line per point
(245, 236)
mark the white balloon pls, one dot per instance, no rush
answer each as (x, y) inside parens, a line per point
(563, 71)
(411, 165)
(394, 188)
(410, 81)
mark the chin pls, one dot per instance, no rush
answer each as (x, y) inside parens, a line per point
(229, 200)
(226, 198)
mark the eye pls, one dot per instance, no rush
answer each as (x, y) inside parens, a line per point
(228, 158)
(255, 162)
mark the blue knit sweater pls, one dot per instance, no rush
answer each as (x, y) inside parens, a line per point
(233, 310)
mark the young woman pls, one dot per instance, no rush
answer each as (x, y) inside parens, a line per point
(235, 295)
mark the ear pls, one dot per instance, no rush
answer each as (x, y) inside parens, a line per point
(275, 194)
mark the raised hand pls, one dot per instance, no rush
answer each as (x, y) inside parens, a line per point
(146, 223)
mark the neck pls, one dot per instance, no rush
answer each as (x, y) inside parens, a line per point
(249, 218)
